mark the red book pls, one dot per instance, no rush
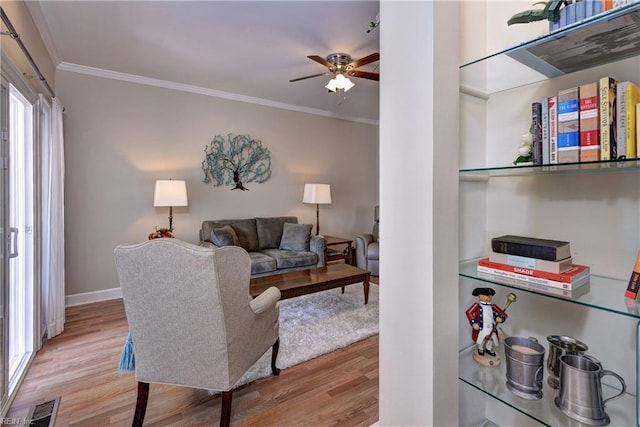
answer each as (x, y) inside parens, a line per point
(576, 273)
(589, 131)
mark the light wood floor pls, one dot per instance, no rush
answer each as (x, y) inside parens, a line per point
(80, 366)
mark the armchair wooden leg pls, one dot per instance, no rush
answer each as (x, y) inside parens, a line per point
(141, 404)
(225, 413)
(274, 356)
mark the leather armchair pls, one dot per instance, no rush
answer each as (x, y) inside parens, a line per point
(191, 319)
(368, 247)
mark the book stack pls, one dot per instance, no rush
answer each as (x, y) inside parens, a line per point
(534, 261)
(597, 120)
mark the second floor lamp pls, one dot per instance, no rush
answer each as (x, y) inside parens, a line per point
(318, 194)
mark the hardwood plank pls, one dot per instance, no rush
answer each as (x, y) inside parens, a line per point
(80, 366)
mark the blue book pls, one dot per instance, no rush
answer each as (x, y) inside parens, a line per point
(569, 125)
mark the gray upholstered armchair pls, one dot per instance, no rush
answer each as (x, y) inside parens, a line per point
(368, 247)
(191, 319)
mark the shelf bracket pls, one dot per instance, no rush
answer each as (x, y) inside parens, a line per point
(467, 90)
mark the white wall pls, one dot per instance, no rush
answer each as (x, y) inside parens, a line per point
(419, 203)
(120, 137)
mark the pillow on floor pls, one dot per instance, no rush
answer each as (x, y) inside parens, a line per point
(225, 236)
(295, 237)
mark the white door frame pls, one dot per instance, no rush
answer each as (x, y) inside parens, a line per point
(11, 75)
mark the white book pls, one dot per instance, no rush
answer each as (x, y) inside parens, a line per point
(532, 279)
(621, 120)
(553, 129)
(556, 267)
(548, 290)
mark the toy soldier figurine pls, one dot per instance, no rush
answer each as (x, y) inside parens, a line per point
(484, 317)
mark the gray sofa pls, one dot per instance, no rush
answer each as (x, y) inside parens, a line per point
(275, 245)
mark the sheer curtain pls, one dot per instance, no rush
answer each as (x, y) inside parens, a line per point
(53, 276)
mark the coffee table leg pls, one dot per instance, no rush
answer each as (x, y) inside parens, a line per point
(365, 285)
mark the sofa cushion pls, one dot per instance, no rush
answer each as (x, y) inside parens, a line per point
(291, 259)
(245, 230)
(262, 263)
(295, 237)
(225, 236)
(269, 230)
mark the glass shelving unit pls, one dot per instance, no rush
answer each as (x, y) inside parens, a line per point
(610, 37)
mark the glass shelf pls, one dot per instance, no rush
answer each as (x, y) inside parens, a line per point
(626, 165)
(601, 39)
(601, 293)
(492, 381)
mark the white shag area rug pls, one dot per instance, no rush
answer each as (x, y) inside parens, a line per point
(316, 324)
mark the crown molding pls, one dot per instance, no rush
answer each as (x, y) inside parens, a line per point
(132, 78)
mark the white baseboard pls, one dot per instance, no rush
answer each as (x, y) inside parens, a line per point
(89, 297)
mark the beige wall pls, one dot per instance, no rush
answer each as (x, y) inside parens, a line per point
(21, 20)
(120, 137)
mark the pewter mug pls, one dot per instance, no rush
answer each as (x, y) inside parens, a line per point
(580, 396)
(525, 366)
(559, 345)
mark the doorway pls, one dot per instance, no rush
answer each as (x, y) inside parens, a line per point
(21, 248)
(17, 225)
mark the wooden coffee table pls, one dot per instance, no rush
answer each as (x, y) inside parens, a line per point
(314, 280)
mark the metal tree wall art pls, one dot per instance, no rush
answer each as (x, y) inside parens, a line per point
(236, 160)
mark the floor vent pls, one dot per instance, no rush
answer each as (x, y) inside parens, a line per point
(44, 414)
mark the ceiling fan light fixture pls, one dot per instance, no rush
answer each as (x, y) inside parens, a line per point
(332, 85)
(339, 82)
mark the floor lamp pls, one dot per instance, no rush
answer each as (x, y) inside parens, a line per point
(318, 194)
(170, 193)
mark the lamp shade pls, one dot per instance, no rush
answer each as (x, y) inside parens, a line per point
(170, 193)
(317, 193)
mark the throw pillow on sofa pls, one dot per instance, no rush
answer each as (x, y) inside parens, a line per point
(225, 236)
(295, 237)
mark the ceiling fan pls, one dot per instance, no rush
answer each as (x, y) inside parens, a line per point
(341, 66)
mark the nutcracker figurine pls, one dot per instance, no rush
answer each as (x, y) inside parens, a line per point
(484, 317)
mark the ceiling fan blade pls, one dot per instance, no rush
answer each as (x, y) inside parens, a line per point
(365, 75)
(366, 60)
(320, 60)
(308, 77)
